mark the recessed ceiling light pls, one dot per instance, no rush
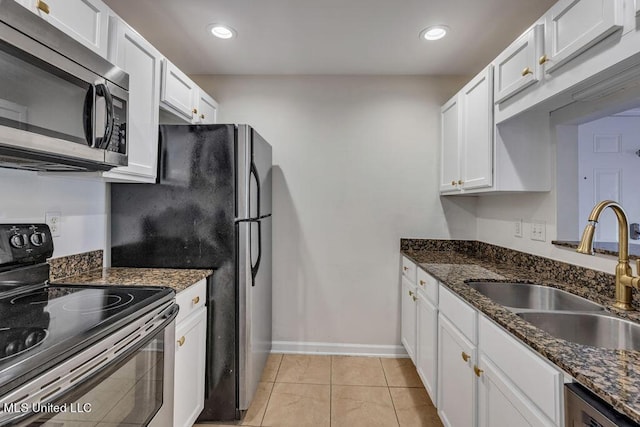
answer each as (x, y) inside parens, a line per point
(434, 32)
(222, 31)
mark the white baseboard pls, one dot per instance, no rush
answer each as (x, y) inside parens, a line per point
(325, 348)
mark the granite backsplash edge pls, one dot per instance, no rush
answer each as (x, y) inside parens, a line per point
(540, 268)
(72, 265)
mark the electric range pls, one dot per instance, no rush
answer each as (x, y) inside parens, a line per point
(58, 343)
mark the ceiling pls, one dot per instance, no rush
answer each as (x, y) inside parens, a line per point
(330, 36)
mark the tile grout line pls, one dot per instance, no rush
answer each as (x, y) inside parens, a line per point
(266, 406)
(395, 412)
(393, 404)
(330, 388)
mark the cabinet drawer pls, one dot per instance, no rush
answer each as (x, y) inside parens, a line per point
(409, 269)
(428, 285)
(517, 67)
(461, 314)
(536, 378)
(191, 299)
(574, 26)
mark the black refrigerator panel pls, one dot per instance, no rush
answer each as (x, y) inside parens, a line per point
(186, 220)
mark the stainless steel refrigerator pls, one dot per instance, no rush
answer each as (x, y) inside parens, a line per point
(210, 208)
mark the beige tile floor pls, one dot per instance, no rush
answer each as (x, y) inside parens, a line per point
(317, 391)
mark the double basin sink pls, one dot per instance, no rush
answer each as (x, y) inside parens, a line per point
(563, 315)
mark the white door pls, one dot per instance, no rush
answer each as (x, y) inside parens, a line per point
(408, 324)
(476, 102)
(189, 370)
(142, 61)
(517, 67)
(207, 109)
(86, 21)
(608, 169)
(456, 380)
(573, 26)
(449, 145)
(427, 344)
(178, 92)
(500, 404)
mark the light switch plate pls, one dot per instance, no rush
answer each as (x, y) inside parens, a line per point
(517, 227)
(539, 231)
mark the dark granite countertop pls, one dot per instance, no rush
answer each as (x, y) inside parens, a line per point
(178, 279)
(614, 375)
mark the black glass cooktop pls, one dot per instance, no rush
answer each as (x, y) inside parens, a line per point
(41, 327)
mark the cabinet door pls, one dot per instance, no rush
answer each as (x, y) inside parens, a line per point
(189, 368)
(141, 60)
(178, 92)
(207, 109)
(500, 404)
(85, 20)
(517, 67)
(408, 324)
(456, 380)
(573, 26)
(427, 344)
(477, 131)
(449, 146)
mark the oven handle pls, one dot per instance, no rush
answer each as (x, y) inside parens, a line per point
(57, 382)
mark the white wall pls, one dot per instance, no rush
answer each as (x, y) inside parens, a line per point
(497, 213)
(355, 169)
(26, 196)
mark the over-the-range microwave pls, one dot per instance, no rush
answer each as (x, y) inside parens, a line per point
(62, 106)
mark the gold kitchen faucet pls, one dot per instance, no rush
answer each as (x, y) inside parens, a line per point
(625, 279)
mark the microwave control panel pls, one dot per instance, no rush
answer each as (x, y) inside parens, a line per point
(118, 141)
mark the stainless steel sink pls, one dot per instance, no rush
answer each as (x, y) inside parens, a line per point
(598, 330)
(535, 297)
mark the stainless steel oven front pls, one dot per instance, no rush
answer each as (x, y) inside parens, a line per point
(124, 379)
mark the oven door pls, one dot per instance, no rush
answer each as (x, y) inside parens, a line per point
(134, 389)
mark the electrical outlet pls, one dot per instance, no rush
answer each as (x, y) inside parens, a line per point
(53, 221)
(517, 227)
(538, 231)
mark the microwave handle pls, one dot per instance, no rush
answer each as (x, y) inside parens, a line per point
(88, 117)
(103, 90)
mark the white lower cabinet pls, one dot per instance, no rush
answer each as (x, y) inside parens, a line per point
(456, 381)
(427, 344)
(408, 321)
(500, 404)
(191, 339)
(476, 373)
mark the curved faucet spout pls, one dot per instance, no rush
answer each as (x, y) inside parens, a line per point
(586, 243)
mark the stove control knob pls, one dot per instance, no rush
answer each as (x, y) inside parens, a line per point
(18, 241)
(38, 239)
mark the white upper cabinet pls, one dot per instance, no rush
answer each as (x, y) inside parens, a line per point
(518, 67)
(179, 94)
(207, 109)
(85, 20)
(573, 26)
(449, 142)
(129, 51)
(637, 7)
(477, 132)
(467, 137)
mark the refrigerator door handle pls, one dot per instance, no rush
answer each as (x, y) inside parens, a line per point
(254, 173)
(256, 266)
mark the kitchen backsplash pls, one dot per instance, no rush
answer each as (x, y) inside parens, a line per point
(538, 267)
(75, 264)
